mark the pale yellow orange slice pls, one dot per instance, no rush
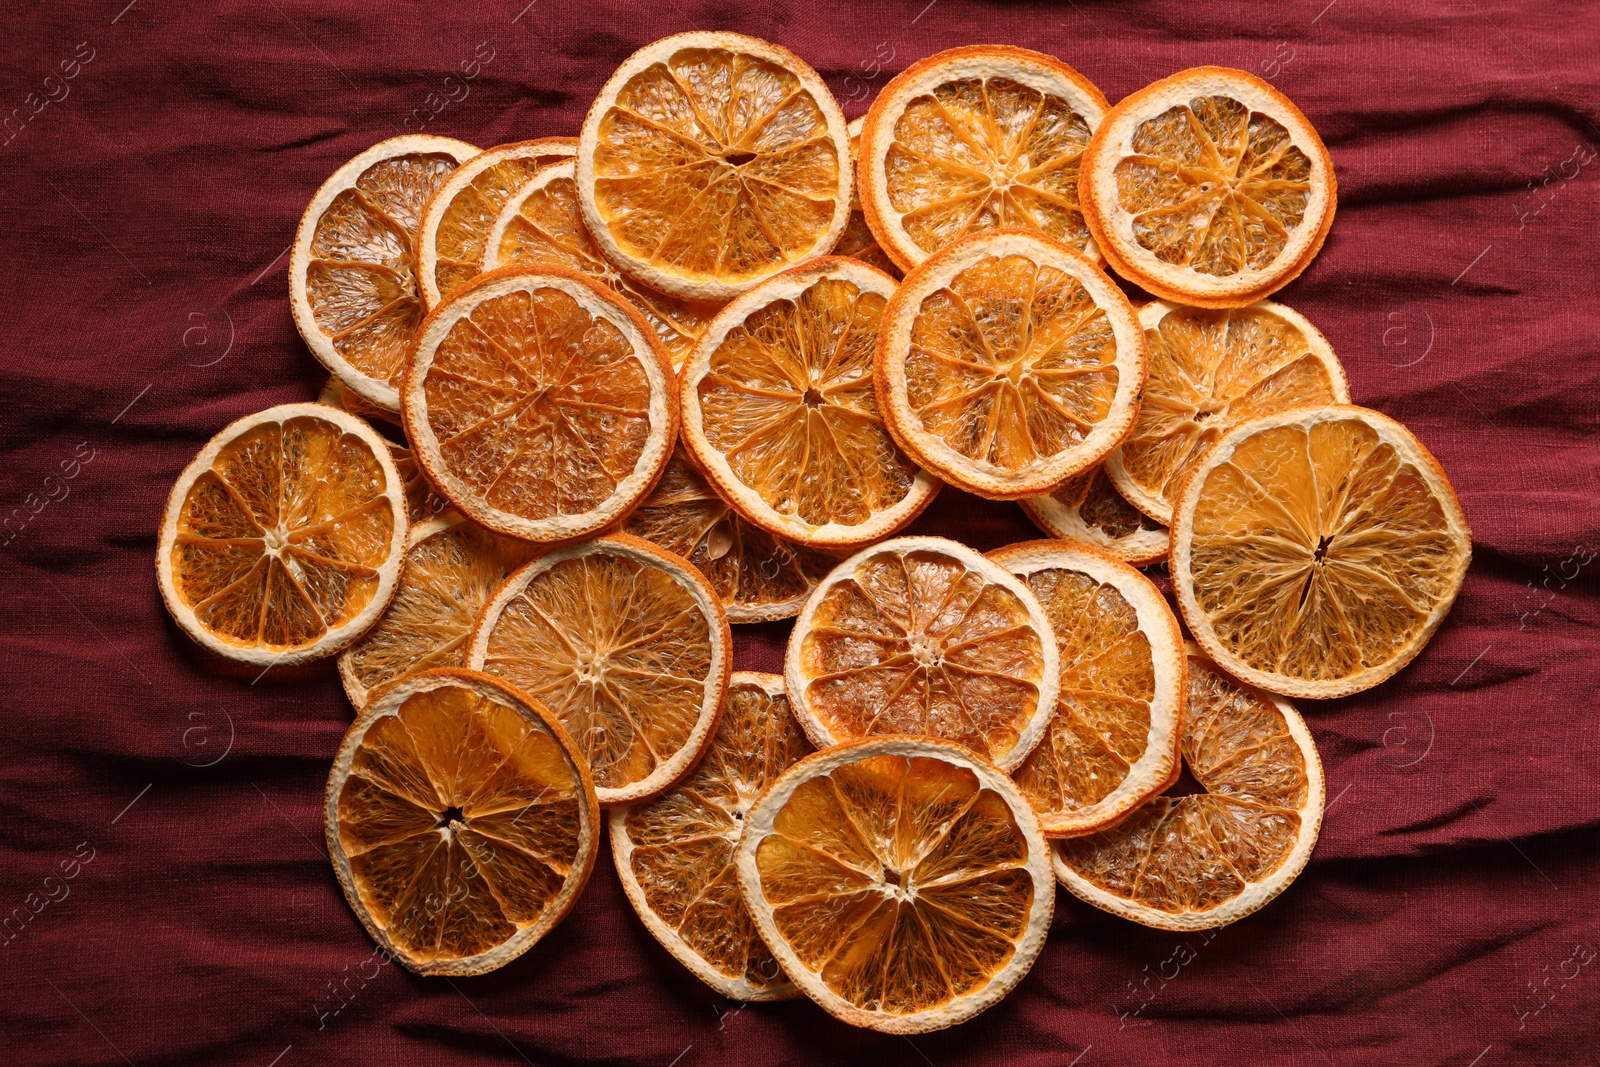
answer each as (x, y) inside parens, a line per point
(1087, 507)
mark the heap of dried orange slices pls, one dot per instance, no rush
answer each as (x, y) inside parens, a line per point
(704, 363)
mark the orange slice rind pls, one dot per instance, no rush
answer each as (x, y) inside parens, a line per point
(1088, 508)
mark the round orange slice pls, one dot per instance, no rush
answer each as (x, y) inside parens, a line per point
(1088, 508)
(780, 411)
(542, 225)
(977, 138)
(901, 882)
(281, 540)
(1113, 741)
(1209, 371)
(457, 220)
(758, 575)
(627, 644)
(675, 854)
(1208, 188)
(352, 286)
(921, 635)
(1315, 551)
(460, 821)
(1206, 859)
(451, 567)
(857, 241)
(539, 403)
(711, 161)
(1009, 362)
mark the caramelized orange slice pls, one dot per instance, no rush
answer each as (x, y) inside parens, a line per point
(857, 241)
(1088, 508)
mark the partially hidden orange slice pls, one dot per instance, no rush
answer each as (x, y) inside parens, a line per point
(539, 403)
(857, 240)
(456, 223)
(460, 821)
(922, 635)
(1207, 859)
(780, 411)
(902, 882)
(1209, 371)
(675, 854)
(1007, 363)
(1087, 507)
(352, 283)
(1316, 551)
(627, 644)
(281, 540)
(977, 138)
(711, 161)
(1113, 741)
(1208, 187)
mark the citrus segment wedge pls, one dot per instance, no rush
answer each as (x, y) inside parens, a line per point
(281, 540)
(1113, 741)
(461, 823)
(921, 635)
(1207, 859)
(627, 644)
(1087, 507)
(352, 283)
(711, 161)
(675, 854)
(902, 882)
(857, 240)
(1316, 551)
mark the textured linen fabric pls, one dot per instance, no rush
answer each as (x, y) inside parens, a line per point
(163, 880)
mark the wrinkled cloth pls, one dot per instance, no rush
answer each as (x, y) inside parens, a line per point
(163, 876)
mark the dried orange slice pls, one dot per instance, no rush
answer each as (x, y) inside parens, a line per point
(780, 412)
(627, 644)
(1206, 859)
(451, 568)
(1208, 188)
(921, 635)
(675, 854)
(539, 403)
(335, 395)
(1315, 551)
(281, 540)
(460, 820)
(758, 575)
(352, 287)
(902, 882)
(1113, 741)
(977, 138)
(711, 161)
(1209, 371)
(857, 241)
(1009, 362)
(542, 225)
(1088, 508)
(457, 221)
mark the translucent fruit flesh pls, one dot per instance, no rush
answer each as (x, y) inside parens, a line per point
(465, 222)
(1109, 516)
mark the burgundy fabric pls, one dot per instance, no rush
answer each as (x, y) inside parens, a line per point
(162, 830)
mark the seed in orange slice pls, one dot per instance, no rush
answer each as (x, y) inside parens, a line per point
(1208, 187)
(902, 882)
(1316, 551)
(542, 225)
(1009, 362)
(675, 853)
(456, 224)
(281, 540)
(922, 635)
(977, 138)
(1206, 859)
(711, 161)
(758, 575)
(451, 568)
(857, 241)
(461, 822)
(627, 644)
(1209, 371)
(539, 403)
(1088, 508)
(1113, 741)
(352, 284)
(780, 412)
